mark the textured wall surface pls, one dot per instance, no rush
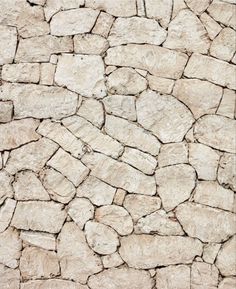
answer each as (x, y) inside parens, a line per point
(117, 144)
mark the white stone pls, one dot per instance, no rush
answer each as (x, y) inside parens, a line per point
(210, 252)
(6, 190)
(21, 72)
(8, 44)
(227, 106)
(227, 283)
(113, 260)
(6, 111)
(173, 154)
(160, 84)
(227, 171)
(159, 10)
(47, 73)
(39, 239)
(10, 279)
(103, 24)
(212, 27)
(6, 213)
(90, 44)
(198, 7)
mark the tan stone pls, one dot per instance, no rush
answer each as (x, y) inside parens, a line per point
(198, 7)
(212, 27)
(227, 171)
(103, 24)
(10, 279)
(6, 190)
(210, 252)
(160, 84)
(90, 44)
(52, 284)
(173, 154)
(227, 283)
(159, 10)
(113, 260)
(227, 106)
(21, 72)
(6, 212)
(204, 275)
(47, 73)
(6, 111)
(39, 239)
(8, 44)
(119, 197)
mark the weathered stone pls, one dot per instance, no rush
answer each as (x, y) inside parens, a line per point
(227, 171)
(227, 283)
(8, 44)
(6, 111)
(119, 197)
(39, 216)
(21, 72)
(6, 190)
(38, 2)
(173, 154)
(175, 184)
(160, 84)
(119, 174)
(6, 212)
(201, 97)
(10, 279)
(198, 7)
(52, 284)
(39, 239)
(38, 263)
(205, 223)
(90, 44)
(116, 217)
(227, 106)
(159, 10)
(212, 27)
(216, 131)
(113, 260)
(77, 260)
(149, 251)
(210, 252)
(204, 275)
(103, 24)
(47, 73)
(157, 60)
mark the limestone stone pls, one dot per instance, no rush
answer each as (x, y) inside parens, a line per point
(32, 156)
(177, 6)
(186, 33)
(77, 260)
(216, 131)
(175, 184)
(91, 135)
(21, 72)
(204, 275)
(6, 111)
(227, 106)
(122, 8)
(206, 68)
(173, 154)
(121, 105)
(198, 7)
(90, 44)
(214, 195)
(173, 277)
(160, 84)
(159, 10)
(103, 24)
(80, 210)
(210, 252)
(47, 73)
(139, 206)
(38, 263)
(73, 21)
(141, 8)
(8, 44)
(119, 174)
(83, 74)
(125, 81)
(10, 11)
(206, 223)
(9, 278)
(202, 97)
(131, 135)
(6, 190)
(10, 248)
(39, 216)
(227, 171)
(212, 27)
(149, 251)
(39, 239)
(164, 115)
(98, 192)
(136, 30)
(39, 49)
(6, 212)
(119, 197)
(116, 217)
(170, 63)
(227, 283)
(52, 284)
(46, 102)
(112, 260)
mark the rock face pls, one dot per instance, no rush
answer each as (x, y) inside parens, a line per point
(39, 239)
(6, 109)
(9, 278)
(90, 44)
(8, 44)
(21, 72)
(6, 212)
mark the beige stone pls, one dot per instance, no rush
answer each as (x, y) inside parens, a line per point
(159, 10)
(103, 24)
(47, 73)
(119, 197)
(6, 190)
(160, 84)
(227, 283)
(198, 7)
(212, 27)
(6, 212)
(173, 154)
(52, 284)
(8, 44)
(21, 72)
(38, 2)
(90, 44)
(112, 260)
(10, 279)
(140, 8)
(39, 239)
(227, 106)
(227, 171)
(6, 111)
(210, 252)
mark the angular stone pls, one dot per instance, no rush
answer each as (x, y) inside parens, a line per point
(218, 226)
(212, 27)
(143, 56)
(206, 68)
(10, 279)
(39, 239)
(21, 72)
(216, 131)
(227, 171)
(6, 190)
(52, 284)
(113, 260)
(210, 252)
(91, 135)
(186, 33)
(77, 260)
(116, 217)
(227, 283)
(159, 10)
(47, 73)
(198, 7)
(8, 44)
(177, 6)
(45, 102)
(150, 251)
(38, 263)
(103, 24)
(204, 275)
(39, 216)
(6, 212)
(160, 84)
(119, 197)
(201, 97)
(98, 192)
(173, 154)
(6, 111)
(227, 106)
(90, 44)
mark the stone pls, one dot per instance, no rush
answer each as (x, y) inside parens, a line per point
(160, 84)
(218, 226)
(170, 63)
(121, 105)
(80, 210)
(122, 8)
(141, 8)
(126, 81)
(39, 216)
(32, 156)
(47, 73)
(18, 132)
(6, 212)
(98, 192)
(6, 111)
(206, 68)
(198, 7)
(112, 260)
(52, 283)
(8, 44)
(227, 171)
(59, 188)
(38, 263)
(119, 197)
(91, 135)
(9, 278)
(6, 190)
(46, 102)
(103, 24)
(77, 260)
(210, 252)
(74, 72)
(173, 154)
(227, 106)
(211, 26)
(173, 277)
(39, 239)
(175, 184)
(150, 251)
(10, 248)
(204, 275)
(165, 116)
(216, 131)
(115, 217)
(69, 166)
(101, 238)
(38, 2)
(90, 44)
(204, 160)
(73, 21)
(186, 33)
(159, 10)
(131, 135)
(139, 205)
(227, 283)
(136, 30)
(39, 49)
(214, 195)
(119, 174)
(201, 97)
(21, 72)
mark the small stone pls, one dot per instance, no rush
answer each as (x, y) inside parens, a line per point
(227, 106)
(227, 171)
(210, 252)
(6, 213)
(52, 283)
(38, 2)
(119, 197)
(39, 239)
(8, 44)
(10, 279)
(6, 111)
(227, 283)
(90, 44)
(173, 154)
(47, 73)
(177, 6)
(6, 190)
(53, 59)
(212, 27)
(113, 260)
(160, 84)
(198, 7)
(103, 24)
(21, 72)
(159, 10)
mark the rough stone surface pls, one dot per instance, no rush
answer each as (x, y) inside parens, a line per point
(227, 106)
(159, 10)
(173, 154)
(6, 190)
(21, 72)
(6, 212)
(226, 171)
(39, 239)
(6, 109)
(9, 278)
(8, 44)
(90, 44)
